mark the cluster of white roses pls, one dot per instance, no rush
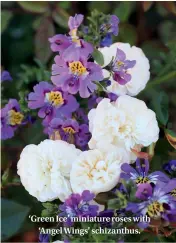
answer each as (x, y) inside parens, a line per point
(55, 169)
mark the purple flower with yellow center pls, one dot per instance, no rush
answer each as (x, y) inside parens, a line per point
(112, 26)
(120, 66)
(160, 205)
(75, 73)
(70, 131)
(78, 206)
(11, 118)
(170, 167)
(52, 102)
(5, 76)
(67, 45)
(140, 174)
(173, 191)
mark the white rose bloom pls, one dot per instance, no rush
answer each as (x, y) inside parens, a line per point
(44, 169)
(97, 170)
(127, 122)
(139, 73)
(58, 241)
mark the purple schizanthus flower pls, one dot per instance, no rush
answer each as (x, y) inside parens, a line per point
(5, 76)
(170, 167)
(70, 131)
(144, 191)
(81, 116)
(140, 174)
(173, 191)
(75, 74)
(106, 41)
(44, 238)
(75, 22)
(120, 67)
(112, 26)
(78, 206)
(66, 45)
(11, 118)
(52, 102)
(160, 205)
(106, 213)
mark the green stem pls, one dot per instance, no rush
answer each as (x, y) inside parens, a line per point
(161, 79)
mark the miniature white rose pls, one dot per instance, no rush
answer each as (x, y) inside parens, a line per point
(97, 170)
(127, 122)
(58, 241)
(44, 169)
(139, 73)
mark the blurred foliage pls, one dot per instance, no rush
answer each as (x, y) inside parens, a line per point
(26, 27)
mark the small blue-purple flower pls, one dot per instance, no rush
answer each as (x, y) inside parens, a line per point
(112, 26)
(106, 41)
(75, 74)
(52, 101)
(11, 119)
(170, 167)
(44, 238)
(78, 206)
(5, 76)
(112, 96)
(160, 205)
(70, 131)
(140, 174)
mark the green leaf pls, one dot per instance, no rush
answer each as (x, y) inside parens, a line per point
(13, 216)
(167, 31)
(160, 104)
(5, 19)
(5, 177)
(64, 4)
(35, 7)
(117, 203)
(98, 57)
(104, 8)
(124, 10)
(50, 209)
(103, 197)
(60, 16)
(42, 47)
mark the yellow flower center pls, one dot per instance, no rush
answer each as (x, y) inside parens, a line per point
(155, 209)
(119, 63)
(142, 180)
(173, 192)
(75, 38)
(77, 68)
(15, 118)
(69, 130)
(55, 97)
